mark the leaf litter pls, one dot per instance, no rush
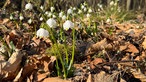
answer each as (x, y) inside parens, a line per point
(116, 57)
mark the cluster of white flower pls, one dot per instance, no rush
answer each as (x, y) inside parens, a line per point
(52, 24)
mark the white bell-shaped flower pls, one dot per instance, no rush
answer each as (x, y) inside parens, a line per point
(41, 7)
(30, 21)
(67, 25)
(52, 9)
(63, 17)
(79, 11)
(54, 16)
(28, 6)
(42, 33)
(51, 23)
(112, 3)
(85, 9)
(60, 14)
(41, 18)
(90, 10)
(88, 15)
(108, 20)
(21, 17)
(69, 11)
(11, 17)
(46, 12)
(82, 6)
(49, 14)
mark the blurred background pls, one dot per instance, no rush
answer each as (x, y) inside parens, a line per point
(139, 5)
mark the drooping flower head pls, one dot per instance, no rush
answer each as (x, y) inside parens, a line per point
(21, 17)
(69, 11)
(41, 18)
(52, 9)
(30, 21)
(42, 33)
(60, 14)
(28, 6)
(41, 7)
(112, 3)
(88, 15)
(64, 17)
(51, 23)
(67, 25)
(90, 10)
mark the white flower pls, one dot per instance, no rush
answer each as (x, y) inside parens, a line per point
(74, 8)
(88, 15)
(30, 21)
(85, 9)
(108, 20)
(21, 17)
(42, 33)
(98, 9)
(111, 3)
(60, 14)
(54, 16)
(79, 11)
(52, 9)
(68, 24)
(46, 12)
(69, 11)
(28, 6)
(11, 17)
(63, 17)
(41, 7)
(50, 14)
(100, 6)
(90, 10)
(82, 6)
(51, 23)
(41, 18)
(115, 4)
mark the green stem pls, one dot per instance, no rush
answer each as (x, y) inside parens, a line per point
(57, 50)
(73, 50)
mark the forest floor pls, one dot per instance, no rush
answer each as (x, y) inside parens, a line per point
(115, 52)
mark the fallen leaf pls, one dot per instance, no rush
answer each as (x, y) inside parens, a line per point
(95, 62)
(89, 78)
(41, 77)
(55, 79)
(144, 43)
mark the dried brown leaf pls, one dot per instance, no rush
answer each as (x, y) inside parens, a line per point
(55, 79)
